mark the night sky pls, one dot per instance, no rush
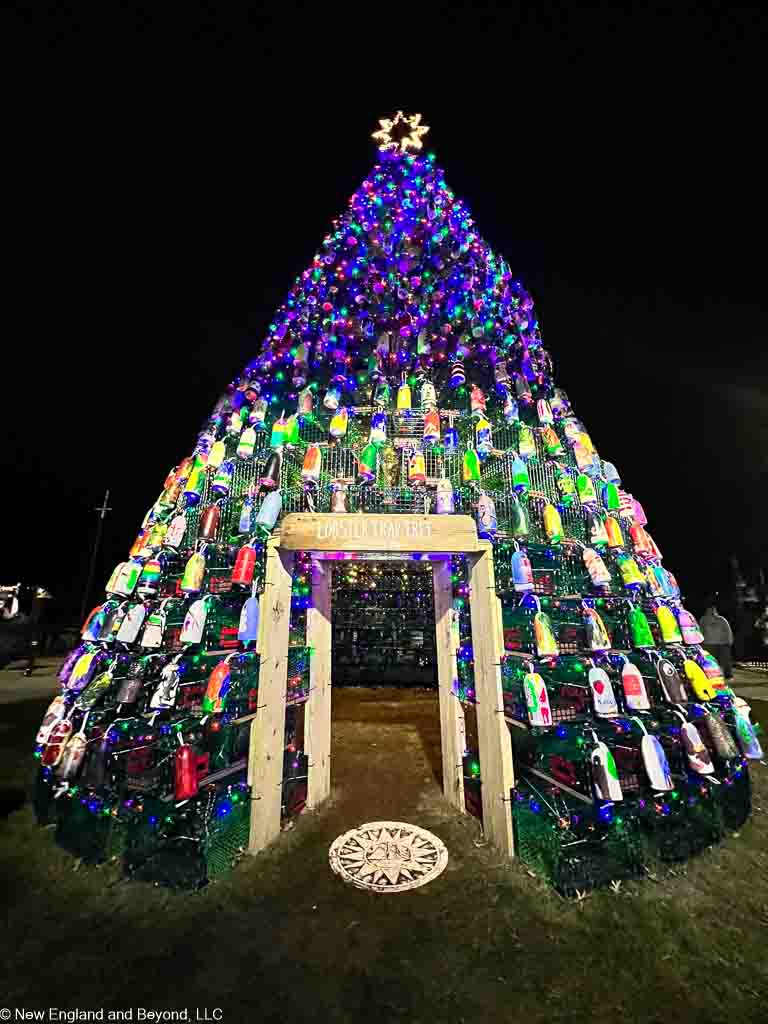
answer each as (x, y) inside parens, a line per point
(174, 179)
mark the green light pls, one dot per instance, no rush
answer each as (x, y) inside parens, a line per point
(280, 375)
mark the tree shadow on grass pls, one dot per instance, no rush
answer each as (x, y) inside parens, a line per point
(11, 799)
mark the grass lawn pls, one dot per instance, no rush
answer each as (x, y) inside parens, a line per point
(283, 939)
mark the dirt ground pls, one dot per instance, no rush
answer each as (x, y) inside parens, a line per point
(283, 938)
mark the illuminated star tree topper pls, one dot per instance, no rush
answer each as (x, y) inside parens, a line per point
(403, 132)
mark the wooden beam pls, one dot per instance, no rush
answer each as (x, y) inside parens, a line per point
(267, 739)
(499, 624)
(496, 767)
(379, 556)
(327, 531)
(318, 712)
(451, 711)
(560, 785)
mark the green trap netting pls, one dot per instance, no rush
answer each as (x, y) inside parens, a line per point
(735, 801)
(184, 862)
(179, 864)
(576, 860)
(677, 839)
(94, 838)
(225, 847)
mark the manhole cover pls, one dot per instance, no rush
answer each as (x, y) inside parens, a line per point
(388, 856)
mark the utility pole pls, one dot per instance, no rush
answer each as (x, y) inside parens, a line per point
(96, 544)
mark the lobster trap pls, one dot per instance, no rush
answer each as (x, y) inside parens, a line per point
(680, 829)
(566, 842)
(86, 831)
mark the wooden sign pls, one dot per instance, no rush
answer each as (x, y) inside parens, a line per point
(355, 531)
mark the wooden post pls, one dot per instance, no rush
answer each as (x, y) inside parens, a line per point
(451, 711)
(318, 710)
(267, 741)
(496, 768)
(499, 628)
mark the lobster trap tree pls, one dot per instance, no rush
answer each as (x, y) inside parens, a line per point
(404, 373)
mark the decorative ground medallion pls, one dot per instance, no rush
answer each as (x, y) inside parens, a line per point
(388, 856)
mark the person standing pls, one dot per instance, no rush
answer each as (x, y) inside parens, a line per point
(718, 639)
(761, 628)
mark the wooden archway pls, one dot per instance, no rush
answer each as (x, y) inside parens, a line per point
(335, 536)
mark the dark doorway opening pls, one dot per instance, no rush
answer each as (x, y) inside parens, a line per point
(383, 624)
